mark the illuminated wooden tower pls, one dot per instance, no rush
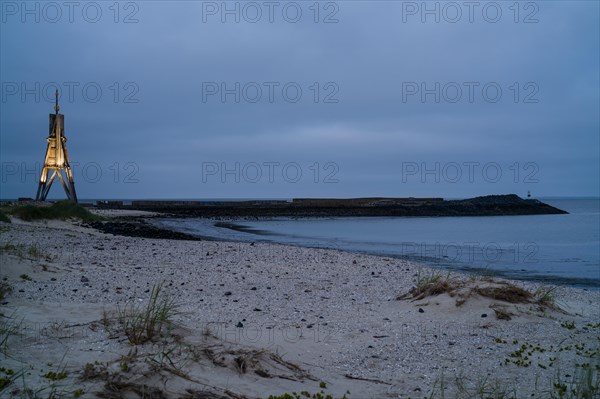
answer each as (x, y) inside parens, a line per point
(57, 159)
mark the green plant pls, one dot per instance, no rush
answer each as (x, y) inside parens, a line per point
(304, 394)
(144, 323)
(34, 252)
(8, 326)
(433, 284)
(569, 325)
(8, 376)
(56, 376)
(25, 277)
(584, 383)
(545, 295)
(4, 218)
(5, 289)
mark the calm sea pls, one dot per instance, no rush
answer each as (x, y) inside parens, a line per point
(554, 248)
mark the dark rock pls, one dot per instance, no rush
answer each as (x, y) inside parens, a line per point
(239, 324)
(421, 310)
(227, 293)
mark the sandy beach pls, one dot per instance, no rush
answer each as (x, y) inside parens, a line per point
(256, 319)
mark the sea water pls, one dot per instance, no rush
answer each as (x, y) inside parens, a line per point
(554, 248)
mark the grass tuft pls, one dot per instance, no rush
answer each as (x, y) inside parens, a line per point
(546, 295)
(9, 326)
(433, 284)
(144, 323)
(5, 289)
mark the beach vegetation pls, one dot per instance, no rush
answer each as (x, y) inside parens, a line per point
(25, 252)
(569, 325)
(35, 252)
(8, 376)
(436, 283)
(9, 326)
(62, 210)
(124, 366)
(546, 295)
(4, 217)
(305, 394)
(5, 289)
(25, 277)
(56, 376)
(15, 382)
(462, 387)
(582, 383)
(143, 323)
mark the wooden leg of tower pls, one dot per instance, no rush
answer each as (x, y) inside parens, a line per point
(65, 187)
(71, 184)
(47, 186)
(42, 185)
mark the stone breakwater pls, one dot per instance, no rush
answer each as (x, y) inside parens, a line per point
(492, 205)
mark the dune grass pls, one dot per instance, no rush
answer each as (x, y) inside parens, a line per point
(582, 383)
(145, 323)
(5, 289)
(436, 283)
(9, 326)
(59, 210)
(4, 217)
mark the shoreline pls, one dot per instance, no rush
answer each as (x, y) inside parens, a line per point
(332, 314)
(237, 225)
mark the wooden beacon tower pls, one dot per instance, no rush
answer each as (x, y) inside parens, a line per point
(57, 158)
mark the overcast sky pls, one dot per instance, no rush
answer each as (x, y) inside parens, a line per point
(193, 99)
